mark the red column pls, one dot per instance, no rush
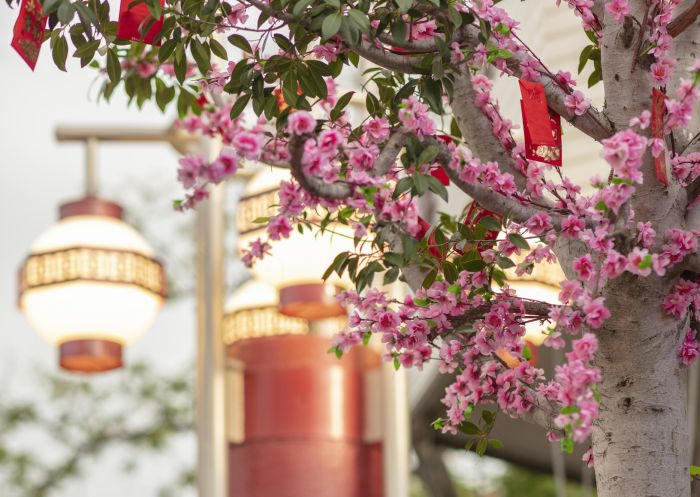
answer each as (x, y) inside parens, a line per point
(304, 421)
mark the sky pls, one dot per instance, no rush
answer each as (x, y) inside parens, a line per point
(38, 175)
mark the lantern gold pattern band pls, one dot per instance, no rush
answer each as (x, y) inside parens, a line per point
(260, 322)
(254, 207)
(92, 264)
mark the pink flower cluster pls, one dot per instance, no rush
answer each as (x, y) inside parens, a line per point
(414, 116)
(573, 389)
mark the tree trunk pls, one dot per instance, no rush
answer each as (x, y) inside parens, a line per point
(641, 445)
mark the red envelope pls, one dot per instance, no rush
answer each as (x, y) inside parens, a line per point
(658, 112)
(534, 106)
(549, 154)
(29, 32)
(130, 19)
(541, 126)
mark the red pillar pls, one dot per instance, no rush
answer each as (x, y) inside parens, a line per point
(305, 421)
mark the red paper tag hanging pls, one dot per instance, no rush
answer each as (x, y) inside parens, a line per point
(658, 112)
(541, 126)
(135, 17)
(29, 32)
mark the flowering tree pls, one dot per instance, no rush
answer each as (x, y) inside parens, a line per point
(628, 309)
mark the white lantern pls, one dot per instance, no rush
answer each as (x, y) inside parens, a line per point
(297, 264)
(90, 285)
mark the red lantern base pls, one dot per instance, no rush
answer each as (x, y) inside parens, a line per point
(90, 206)
(310, 301)
(90, 356)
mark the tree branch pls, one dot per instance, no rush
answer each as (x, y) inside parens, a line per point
(477, 130)
(315, 186)
(383, 58)
(593, 122)
(340, 190)
(684, 20)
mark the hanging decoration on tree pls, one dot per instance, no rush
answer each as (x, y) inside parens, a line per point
(134, 19)
(658, 112)
(474, 214)
(29, 32)
(541, 126)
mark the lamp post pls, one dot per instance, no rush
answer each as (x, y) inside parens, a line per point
(210, 412)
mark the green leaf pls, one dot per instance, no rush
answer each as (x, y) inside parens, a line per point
(299, 7)
(180, 64)
(342, 102)
(481, 446)
(518, 241)
(437, 187)
(403, 185)
(218, 49)
(428, 155)
(60, 53)
(202, 55)
(527, 353)
(336, 350)
(490, 223)
(331, 25)
(239, 41)
(114, 67)
(504, 262)
(474, 266)
(469, 428)
(66, 12)
(360, 19)
(166, 50)
(595, 77)
(87, 50)
(391, 275)
(239, 105)
(164, 94)
(397, 364)
(51, 6)
(583, 58)
(566, 445)
(404, 5)
(420, 182)
(339, 259)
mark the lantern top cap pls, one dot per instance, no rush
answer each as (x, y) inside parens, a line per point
(90, 206)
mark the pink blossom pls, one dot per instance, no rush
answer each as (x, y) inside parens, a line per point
(329, 141)
(279, 227)
(189, 170)
(456, 54)
(584, 348)
(145, 69)
(539, 223)
(577, 103)
(595, 312)
(249, 145)
(301, 122)
(584, 267)
(377, 129)
(618, 8)
(690, 349)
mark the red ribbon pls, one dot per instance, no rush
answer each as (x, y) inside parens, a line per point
(29, 31)
(658, 112)
(541, 126)
(135, 17)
